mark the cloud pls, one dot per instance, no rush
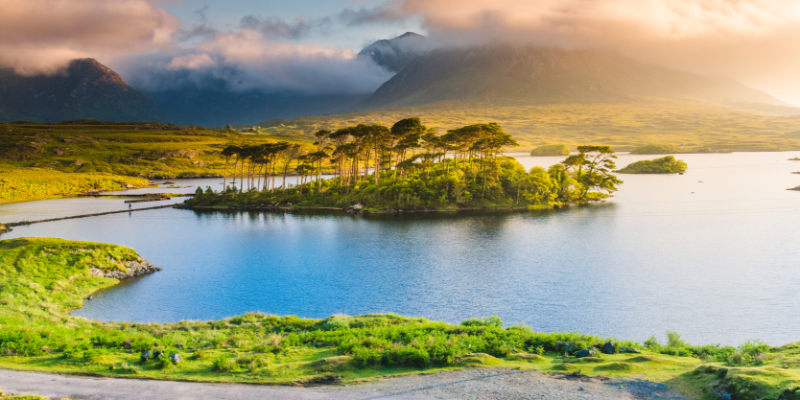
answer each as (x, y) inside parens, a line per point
(42, 35)
(278, 28)
(249, 60)
(755, 41)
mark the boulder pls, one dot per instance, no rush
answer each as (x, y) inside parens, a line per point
(146, 355)
(609, 348)
(126, 344)
(628, 350)
(175, 357)
(585, 353)
(179, 346)
(568, 348)
(158, 354)
(357, 207)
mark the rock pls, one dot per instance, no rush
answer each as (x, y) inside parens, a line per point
(568, 348)
(146, 355)
(609, 348)
(126, 344)
(158, 354)
(585, 353)
(357, 207)
(175, 357)
(78, 162)
(132, 268)
(628, 350)
(179, 346)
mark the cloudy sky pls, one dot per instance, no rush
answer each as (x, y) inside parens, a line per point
(310, 44)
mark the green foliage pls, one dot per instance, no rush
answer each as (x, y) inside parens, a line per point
(654, 149)
(30, 183)
(551, 150)
(664, 165)
(475, 175)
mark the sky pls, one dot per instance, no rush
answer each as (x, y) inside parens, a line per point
(310, 45)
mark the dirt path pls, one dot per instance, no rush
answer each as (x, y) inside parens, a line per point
(472, 384)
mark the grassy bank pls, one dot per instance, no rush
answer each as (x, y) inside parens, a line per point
(18, 184)
(42, 279)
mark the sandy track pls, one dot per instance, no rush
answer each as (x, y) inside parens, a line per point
(471, 384)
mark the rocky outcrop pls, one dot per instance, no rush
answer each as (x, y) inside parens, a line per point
(4, 229)
(132, 268)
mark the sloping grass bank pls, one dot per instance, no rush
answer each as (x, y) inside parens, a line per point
(18, 184)
(42, 279)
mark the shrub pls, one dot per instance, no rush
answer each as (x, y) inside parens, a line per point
(674, 340)
(336, 322)
(406, 356)
(365, 357)
(225, 364)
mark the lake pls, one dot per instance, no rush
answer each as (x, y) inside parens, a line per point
(712, 254)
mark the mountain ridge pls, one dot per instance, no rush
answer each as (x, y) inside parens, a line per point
(84, 89)
(535, 75)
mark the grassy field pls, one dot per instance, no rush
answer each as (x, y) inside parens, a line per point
(60, 159)
(42, 279)
(150, 150)
(688, 125)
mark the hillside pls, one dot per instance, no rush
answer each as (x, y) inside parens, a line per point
(151, 150)
(86, 89)
(687, 124)
(395, 54)
(504, 75)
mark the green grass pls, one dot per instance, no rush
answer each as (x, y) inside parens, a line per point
(42, 279)
(40, 160)
(36, 183)
(664, 165)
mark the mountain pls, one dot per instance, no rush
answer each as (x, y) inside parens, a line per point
(395, 54)
(212, 105)
(518, 75)
(85, 89)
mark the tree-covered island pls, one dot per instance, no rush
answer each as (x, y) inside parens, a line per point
(663, 165)
(408, 167)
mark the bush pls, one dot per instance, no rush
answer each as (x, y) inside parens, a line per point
(365, 357)
(225, 364)
(494, 321)
(406, 356)
(336, 322)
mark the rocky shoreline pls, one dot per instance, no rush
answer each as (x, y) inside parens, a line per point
(133, 268)
(4, 229)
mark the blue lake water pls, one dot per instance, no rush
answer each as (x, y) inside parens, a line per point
(712, 254)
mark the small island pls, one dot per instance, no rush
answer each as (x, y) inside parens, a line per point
(550, 150)
(664, 165)
(795, 159)
(417, 170)
(4, 229)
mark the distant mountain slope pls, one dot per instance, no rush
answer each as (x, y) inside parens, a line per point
(517, 75)
(86, 89)
(214, 106)
(395, 54)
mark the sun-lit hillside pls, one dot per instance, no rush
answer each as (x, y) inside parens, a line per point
(689, 125)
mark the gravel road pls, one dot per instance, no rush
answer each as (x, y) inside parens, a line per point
(469, 384)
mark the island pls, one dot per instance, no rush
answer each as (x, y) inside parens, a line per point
(551, 150)
(664, 165)
(417, 170)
